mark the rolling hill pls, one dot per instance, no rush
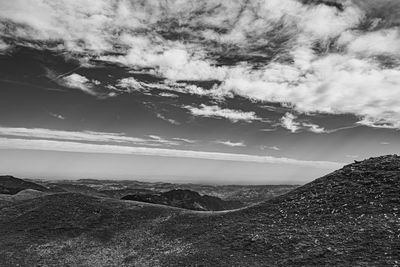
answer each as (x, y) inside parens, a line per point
(11, 185)
(186, 199)
(350, 217)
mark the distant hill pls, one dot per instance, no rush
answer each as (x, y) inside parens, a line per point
(246, 194)
(350, 217)
(11, 185)
(186, 199)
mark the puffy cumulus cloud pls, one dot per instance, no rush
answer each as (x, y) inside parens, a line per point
(334, 84)
(217, 112)
(130, 84)
(381, 42)
(314, 58)
(324, 22)
(79, 24)
(289, 122)
(79, 82)
(314, 128)
(177, 37)
(173, 63)
(230, 143)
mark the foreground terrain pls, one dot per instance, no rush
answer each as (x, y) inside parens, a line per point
(350, 217)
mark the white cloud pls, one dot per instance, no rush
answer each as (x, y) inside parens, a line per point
(334, 84)
(84, 136)
(184, 140)
(79, 82)
(313, 127)
(350, 82)
(168, 95)
(217, 112)
(130, 84)
(69, 146)
(230, 143)
(172, 121)
(384, 143)
(3, 46)
(161, 140)
(271, 147)
(382, 42)
(177, 64)
(58, 116)
(288, 122)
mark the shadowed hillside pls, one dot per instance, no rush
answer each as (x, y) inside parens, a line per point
(11, 185)
(186, 199)
(349, 217)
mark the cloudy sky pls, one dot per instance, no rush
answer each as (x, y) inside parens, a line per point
(251, 91)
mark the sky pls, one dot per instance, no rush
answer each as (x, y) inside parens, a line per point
(245, 91)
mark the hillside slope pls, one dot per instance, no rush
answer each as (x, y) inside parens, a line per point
(11, 185)
(350, 217)
(186, 199)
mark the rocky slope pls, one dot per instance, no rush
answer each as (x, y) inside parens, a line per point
(186, 199)
(350, 217)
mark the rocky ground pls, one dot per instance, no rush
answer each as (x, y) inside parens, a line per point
(350, 217)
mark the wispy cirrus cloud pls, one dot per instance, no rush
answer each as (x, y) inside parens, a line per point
(271, 148)
(172, 121)
(189, 141)
(290, 122)
(218, 112)
(83, 136)
(70, 146)
(230, 143)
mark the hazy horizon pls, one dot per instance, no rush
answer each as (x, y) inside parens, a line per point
(73, 166)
